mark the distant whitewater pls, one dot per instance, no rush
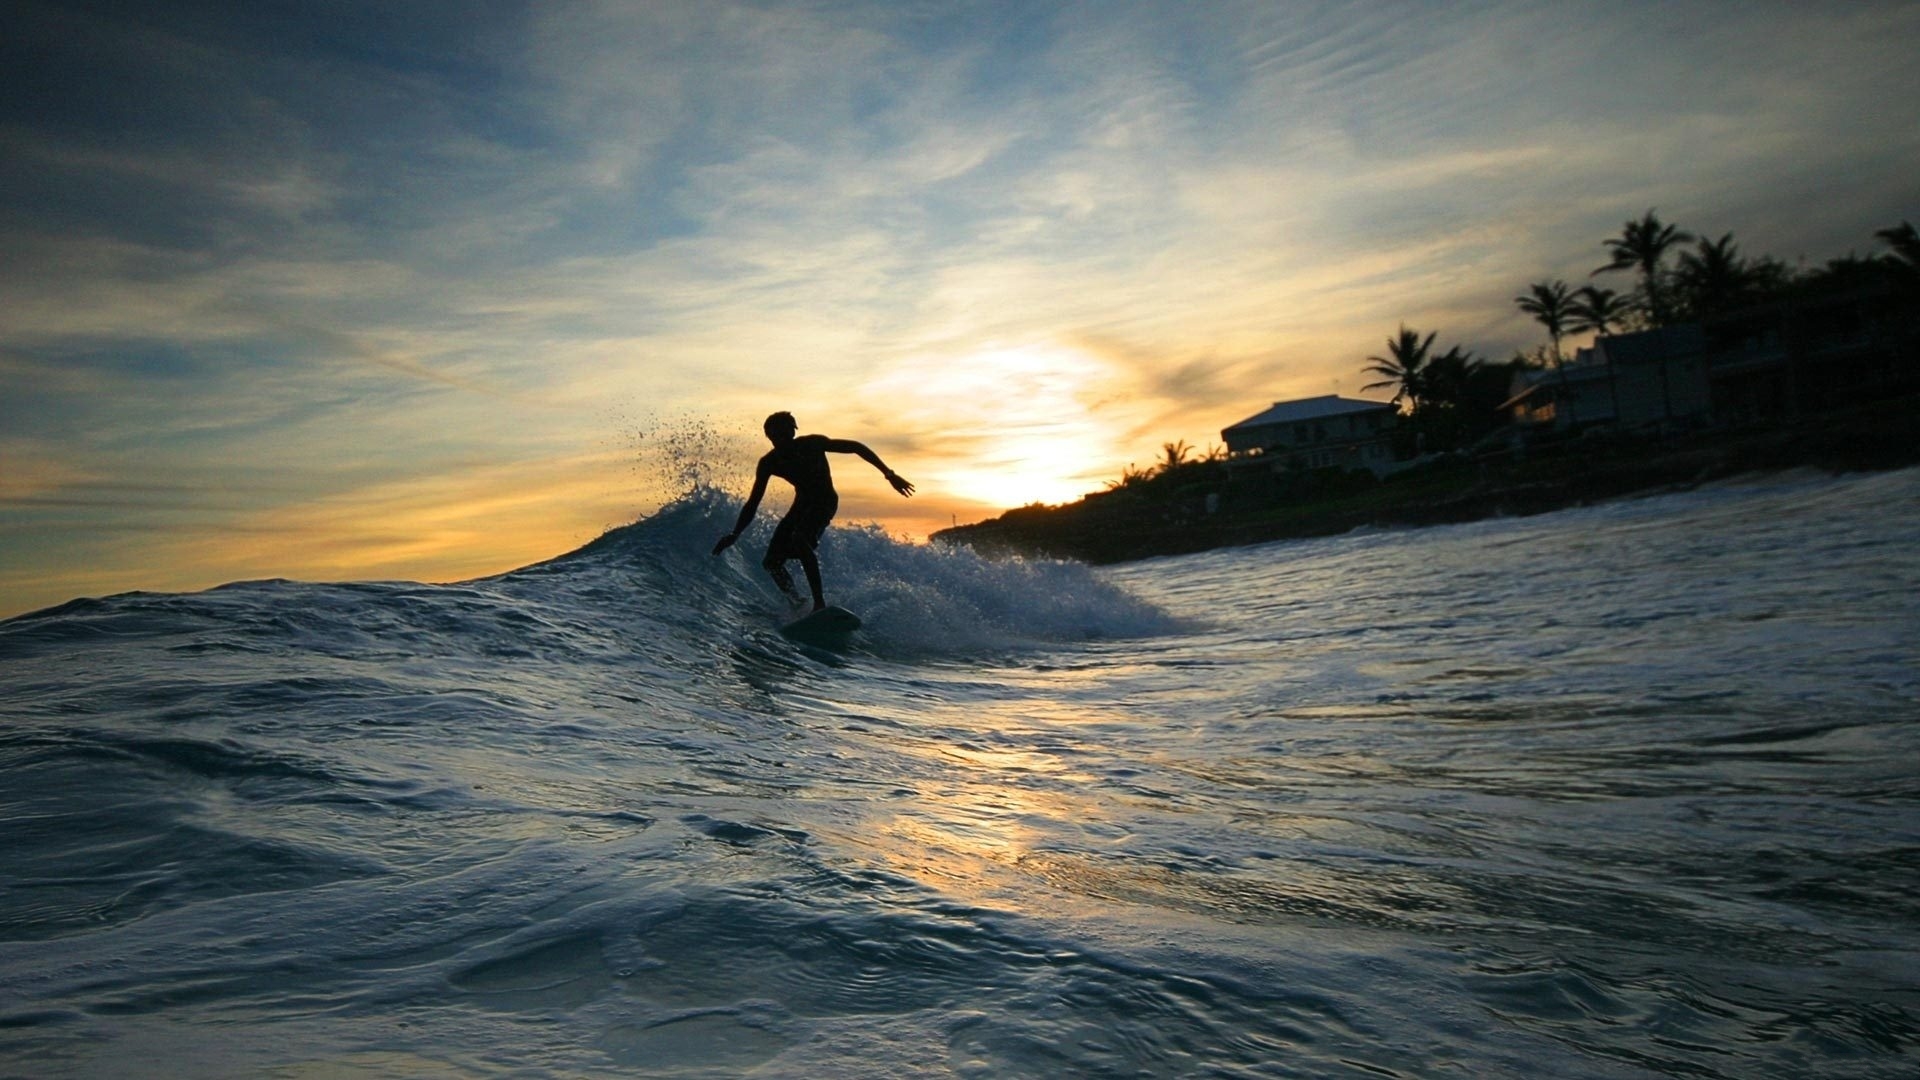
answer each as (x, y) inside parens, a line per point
(1617, 792)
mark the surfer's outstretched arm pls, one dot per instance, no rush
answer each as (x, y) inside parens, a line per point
(746, 512)
(849, 446)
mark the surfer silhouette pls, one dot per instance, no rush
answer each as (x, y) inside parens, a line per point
(801, 460)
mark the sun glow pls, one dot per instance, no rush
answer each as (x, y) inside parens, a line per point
(1010, 426)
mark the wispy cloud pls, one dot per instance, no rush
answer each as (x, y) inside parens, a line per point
(411, 255)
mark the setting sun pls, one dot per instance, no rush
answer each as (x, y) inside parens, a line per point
(1012, 425)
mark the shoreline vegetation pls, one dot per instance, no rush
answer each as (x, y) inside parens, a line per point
(1110, 527)
(1848, 401)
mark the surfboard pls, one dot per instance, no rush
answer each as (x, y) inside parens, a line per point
(828, 628)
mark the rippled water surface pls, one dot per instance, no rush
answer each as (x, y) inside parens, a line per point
(1625, 791)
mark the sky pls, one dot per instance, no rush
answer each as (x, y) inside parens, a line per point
(432, 290)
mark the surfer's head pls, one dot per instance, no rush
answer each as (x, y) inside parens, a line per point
(781, 427)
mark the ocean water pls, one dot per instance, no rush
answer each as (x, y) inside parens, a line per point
(1625, 791)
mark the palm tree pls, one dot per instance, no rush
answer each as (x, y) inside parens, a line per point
(1769, 277)
(1437, 422)
(1641, 246)
(1600, 310)
(1447, 375)
(1904, 242)
(1403, 368)
(1174, 455)
(1129, 477)
(1550, 303)
(1713, 278)
(1904, 263)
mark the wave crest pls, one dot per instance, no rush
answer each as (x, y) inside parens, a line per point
(913, 598)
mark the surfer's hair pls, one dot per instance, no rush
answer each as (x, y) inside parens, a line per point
(780, 421)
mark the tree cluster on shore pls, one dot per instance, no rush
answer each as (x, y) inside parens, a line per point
(1188, 500)
(1452, 398)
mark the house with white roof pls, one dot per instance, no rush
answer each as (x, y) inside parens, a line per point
(1315, 433)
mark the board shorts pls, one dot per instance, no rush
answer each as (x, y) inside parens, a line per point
(799, 532)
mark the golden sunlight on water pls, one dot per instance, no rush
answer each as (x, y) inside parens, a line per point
(978, 814)
(1009, 426)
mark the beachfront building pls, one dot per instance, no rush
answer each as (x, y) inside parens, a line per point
(1776, 361)
(1650, 380)
(1315, 433)
(1814, 352)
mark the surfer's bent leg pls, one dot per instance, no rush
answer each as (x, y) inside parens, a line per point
(779, 551)
(796, 537)
(784, 580)
(819, 517)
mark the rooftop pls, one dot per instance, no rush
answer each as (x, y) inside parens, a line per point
(1313, 408)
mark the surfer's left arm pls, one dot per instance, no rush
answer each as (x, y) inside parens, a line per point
(849, 446)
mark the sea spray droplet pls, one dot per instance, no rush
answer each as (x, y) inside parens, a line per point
(675, 457)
